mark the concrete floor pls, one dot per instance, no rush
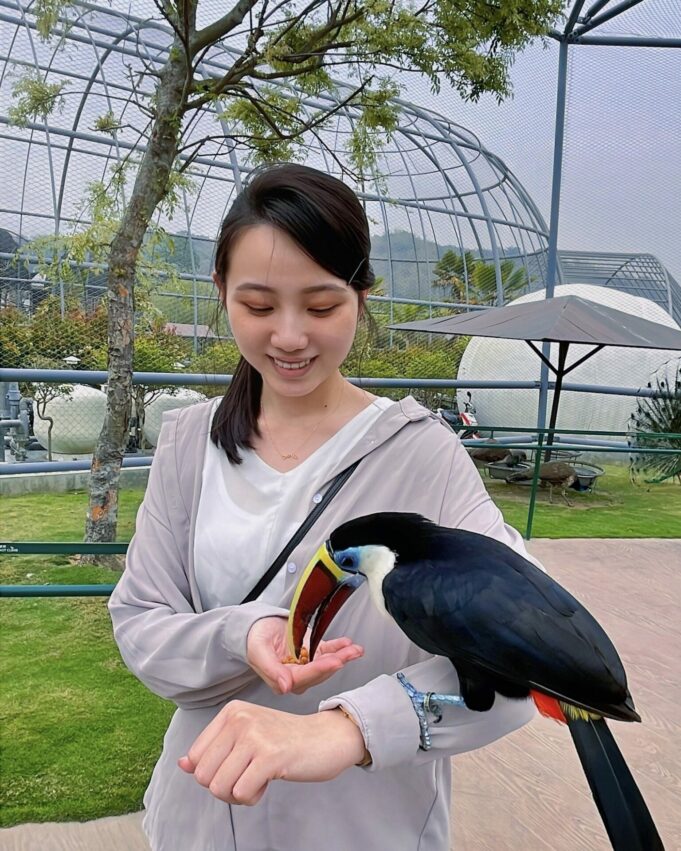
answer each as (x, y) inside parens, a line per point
(527, 791)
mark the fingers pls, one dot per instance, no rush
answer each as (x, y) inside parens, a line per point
(209, 734)
(221, 769)
(243, 782)
(232, 758)
(319, 670)
(333, 645)
(278, 678)
(349, 653)
(344, 648)
(283, 678)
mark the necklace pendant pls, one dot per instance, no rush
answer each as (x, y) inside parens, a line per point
(291, 455)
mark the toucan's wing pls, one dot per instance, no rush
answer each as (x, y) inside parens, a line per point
(477, 600)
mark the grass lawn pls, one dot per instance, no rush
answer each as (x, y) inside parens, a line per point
(615, 509)
(80, 735)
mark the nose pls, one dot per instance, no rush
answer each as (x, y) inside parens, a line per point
(289, 333)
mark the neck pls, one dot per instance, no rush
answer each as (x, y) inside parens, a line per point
(290, 408)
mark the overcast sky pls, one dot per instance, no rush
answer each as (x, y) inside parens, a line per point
(622, 160)
(622, 164)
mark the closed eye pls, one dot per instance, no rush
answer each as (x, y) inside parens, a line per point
(322, 311)
(259, 311)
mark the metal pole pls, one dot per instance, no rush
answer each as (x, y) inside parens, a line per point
(627, 41)
(609, 14)
(559, 138)
(560, 372)
(4, 415)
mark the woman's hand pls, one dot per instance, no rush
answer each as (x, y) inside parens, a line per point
(266, 648)
(246, 746)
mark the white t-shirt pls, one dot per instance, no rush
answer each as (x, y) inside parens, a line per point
(247, 512)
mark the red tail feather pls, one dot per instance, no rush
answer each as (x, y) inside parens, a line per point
(548, 706)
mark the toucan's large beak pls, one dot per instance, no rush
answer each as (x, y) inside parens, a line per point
(321, 591)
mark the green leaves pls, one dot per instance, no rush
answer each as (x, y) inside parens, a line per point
(106, 123)
(473, 281)
(15, 338)
(270, 121)
(35, 98)
(47, 14)
(378, 119)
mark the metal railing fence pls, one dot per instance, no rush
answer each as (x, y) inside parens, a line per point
(531, 439)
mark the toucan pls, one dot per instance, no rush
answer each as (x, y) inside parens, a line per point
(505, 625)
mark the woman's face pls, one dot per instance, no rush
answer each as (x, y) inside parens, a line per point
(292, 320)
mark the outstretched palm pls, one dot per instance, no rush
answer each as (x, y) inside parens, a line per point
(267, 650)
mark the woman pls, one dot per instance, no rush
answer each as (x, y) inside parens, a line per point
(232, 479)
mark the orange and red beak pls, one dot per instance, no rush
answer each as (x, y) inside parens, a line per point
(321, 592)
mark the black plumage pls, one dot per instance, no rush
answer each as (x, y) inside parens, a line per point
(505, 624)
(508, 628)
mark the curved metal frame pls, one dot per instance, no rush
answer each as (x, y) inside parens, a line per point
(424, 138)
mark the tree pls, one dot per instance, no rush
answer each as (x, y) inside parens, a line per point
(281, 53)
(469, 280)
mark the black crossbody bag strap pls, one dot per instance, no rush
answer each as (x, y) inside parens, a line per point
(300, 533)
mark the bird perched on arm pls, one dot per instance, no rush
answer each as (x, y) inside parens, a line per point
(505, 625)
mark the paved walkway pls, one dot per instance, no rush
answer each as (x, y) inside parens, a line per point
(527, 792)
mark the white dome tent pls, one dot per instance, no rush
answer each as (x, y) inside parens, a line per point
(501, 359)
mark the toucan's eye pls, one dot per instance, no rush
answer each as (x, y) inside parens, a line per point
(348, 561)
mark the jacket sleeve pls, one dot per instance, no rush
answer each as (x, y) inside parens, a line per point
(382, 708)
(194, 659)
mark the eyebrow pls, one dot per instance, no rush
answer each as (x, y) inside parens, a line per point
(316, 288)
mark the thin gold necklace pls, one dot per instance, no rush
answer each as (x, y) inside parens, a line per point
(293, 456)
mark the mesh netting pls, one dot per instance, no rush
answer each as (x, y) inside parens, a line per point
(457, 205)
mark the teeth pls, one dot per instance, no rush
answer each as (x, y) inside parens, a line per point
(298, 365)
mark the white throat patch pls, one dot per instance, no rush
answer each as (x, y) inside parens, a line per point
(377, 562)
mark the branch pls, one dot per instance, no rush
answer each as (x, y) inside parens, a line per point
(323, 116)
(246, 64)
(181, 33)
(165, 7)
(218, 29)
(333, 27)
(304, 127)
(219, 137)
(294, 21)
(222, 85)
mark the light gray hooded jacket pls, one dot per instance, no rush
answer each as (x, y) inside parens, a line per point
(197, 659)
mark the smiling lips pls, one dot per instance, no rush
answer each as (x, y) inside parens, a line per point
(292, 365)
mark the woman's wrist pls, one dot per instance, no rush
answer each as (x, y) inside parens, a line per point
(365, 758)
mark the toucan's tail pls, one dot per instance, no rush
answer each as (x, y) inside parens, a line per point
(620, 803)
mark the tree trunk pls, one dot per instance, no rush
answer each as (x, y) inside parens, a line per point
(149, 189)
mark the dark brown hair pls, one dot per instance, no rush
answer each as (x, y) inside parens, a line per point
(326, 220)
